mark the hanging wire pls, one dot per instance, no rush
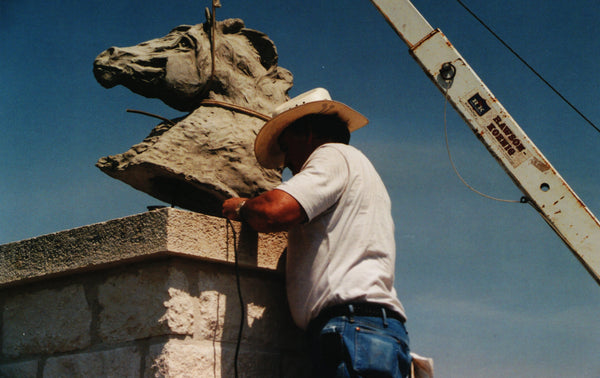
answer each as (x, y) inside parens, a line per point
(529, 66)
(241, 300)
(452, 161)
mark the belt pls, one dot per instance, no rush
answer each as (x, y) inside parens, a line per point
(355, 309)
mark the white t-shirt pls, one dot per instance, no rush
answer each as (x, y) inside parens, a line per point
(346, 250)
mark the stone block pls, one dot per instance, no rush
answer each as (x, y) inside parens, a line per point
(121, 362)
(267, 322)
(46, 321)
(178, 358)
(81, 248)
(26, 369)
(218, 306)
(164, 232)
(150, 301)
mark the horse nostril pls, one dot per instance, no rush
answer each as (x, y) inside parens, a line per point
(117, 53)
(153, 62)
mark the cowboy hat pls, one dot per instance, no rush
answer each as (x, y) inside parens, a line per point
(315, 101)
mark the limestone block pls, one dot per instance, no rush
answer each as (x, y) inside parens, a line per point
(83, 248)
(218, 308)
(214, 238)
(254, 363)
(161, 232)
(150, 301)
(178, 358)
(121, 362)
(27, 369)
(267, 319)
(46, 321)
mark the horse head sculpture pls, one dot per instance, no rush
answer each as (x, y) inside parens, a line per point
(207, 156)
(179, 70)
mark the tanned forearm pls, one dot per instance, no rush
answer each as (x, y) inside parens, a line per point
(272, 211)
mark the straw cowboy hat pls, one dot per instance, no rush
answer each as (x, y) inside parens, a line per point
(315, 101)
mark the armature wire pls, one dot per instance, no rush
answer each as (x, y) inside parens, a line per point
(452, 162)
(238, 108)
(529, 66)
(239, 289)
(151, 115)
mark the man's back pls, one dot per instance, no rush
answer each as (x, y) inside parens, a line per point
(346, 251)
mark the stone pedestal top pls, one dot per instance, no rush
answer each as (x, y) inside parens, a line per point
(157, 233)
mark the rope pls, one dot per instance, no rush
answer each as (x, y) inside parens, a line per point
(452, 161)
(213, 31)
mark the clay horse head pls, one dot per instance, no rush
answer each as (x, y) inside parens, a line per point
(199, 160)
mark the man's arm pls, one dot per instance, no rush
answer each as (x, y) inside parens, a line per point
(272, 211)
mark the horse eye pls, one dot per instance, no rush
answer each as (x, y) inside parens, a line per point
(185, 43)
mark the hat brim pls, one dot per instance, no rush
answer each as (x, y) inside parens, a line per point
(266, 146)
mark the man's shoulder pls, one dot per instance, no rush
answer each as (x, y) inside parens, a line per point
(342, 148)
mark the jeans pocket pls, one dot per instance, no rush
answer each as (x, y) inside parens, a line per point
(328, 351)
(332, 345)
(377, 354)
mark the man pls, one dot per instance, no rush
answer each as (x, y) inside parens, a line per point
(341, 248)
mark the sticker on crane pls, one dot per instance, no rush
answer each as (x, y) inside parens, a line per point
(478, 104)
(508, 142)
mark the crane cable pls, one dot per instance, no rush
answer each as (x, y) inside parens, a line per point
(529, 66)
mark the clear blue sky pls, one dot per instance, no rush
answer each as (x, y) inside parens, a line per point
(489, 288)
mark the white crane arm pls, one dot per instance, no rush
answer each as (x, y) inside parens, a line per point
(539, 181)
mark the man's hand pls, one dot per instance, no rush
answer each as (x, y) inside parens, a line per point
(232, 206)
(271, 211)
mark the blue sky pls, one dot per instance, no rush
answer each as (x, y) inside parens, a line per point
(490, 290)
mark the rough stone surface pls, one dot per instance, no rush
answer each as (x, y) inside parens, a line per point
(156, 233)
(265, 304)
(197, 163)
(46, 321)
(149, 302)
(120, 362)
(204, 359)
(172, 310)
(207, 156)
(19, 369)
(84, 248)
(216, 240)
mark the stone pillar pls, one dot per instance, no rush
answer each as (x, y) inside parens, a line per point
(153, 294)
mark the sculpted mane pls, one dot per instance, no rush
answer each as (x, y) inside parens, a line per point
(177, 68)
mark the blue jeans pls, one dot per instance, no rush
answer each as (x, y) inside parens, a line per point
(360, 346)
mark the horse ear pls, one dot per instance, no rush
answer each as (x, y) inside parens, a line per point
(263, 45)
(208, 22)
(231, 25)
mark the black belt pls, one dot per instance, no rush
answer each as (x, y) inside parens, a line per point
(355, 309)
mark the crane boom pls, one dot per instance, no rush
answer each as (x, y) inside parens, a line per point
(539, 181)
